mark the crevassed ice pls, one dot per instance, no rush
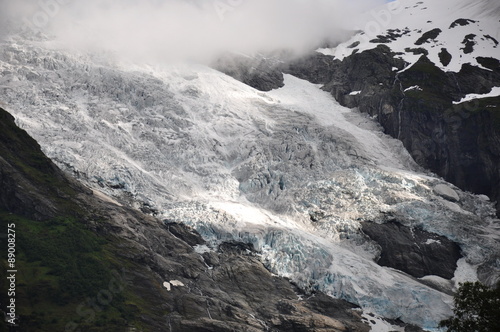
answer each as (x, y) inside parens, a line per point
(290, 171)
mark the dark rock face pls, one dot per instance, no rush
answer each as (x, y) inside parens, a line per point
(370, 72)
(392, 35)
(461, 22)
(490, 63)
(260, 73)
(459, 142)
(27, 176)
(429, 35)
(186, 233)
(414, 251)
(496, 42)
(469, 43)
(316, 68)
(445, 57)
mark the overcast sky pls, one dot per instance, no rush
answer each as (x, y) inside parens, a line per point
(188, 29)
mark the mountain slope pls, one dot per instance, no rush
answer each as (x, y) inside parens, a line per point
(104, 267)
(59, 261)
(315, 188)
(290, 171)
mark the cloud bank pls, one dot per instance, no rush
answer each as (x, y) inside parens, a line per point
(164, 30)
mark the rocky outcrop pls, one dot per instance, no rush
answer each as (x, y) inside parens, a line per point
(414, 251)
(222, 289)
(262, 73)
(240, 294)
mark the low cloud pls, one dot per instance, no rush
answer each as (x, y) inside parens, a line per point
(199, 30)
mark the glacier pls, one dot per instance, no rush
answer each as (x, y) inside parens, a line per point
(290, 170)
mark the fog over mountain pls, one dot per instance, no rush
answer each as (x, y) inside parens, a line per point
(173, 29)
(212, 165)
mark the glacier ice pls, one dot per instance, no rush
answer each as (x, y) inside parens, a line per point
(290, 171)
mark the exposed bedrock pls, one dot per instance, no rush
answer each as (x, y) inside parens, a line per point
(414, 251)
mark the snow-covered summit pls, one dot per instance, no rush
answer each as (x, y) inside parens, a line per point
(451, 33)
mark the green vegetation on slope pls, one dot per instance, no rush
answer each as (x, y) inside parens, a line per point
(66, 278)
(69, 278)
